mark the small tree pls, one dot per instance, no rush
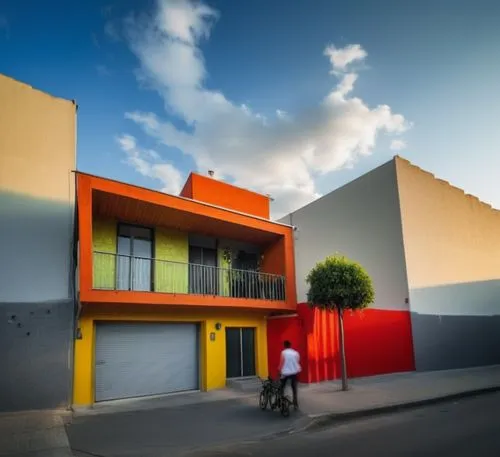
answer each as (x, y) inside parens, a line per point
(339, 284)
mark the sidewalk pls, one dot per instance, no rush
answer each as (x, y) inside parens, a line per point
(325, 402)
(34, 434)
(161, 401)
(178, 424)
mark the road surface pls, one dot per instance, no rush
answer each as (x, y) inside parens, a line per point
(465, 428)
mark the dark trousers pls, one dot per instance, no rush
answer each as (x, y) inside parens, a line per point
(293, 381)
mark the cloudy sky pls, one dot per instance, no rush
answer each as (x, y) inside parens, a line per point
(289, 98)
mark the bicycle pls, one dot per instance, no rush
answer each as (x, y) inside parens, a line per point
(273, 394)
(266, 393)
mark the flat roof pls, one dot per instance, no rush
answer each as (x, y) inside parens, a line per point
(185, 198)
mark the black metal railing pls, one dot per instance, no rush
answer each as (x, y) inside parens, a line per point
(124, 272)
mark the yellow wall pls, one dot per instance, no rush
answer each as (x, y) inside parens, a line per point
(212, 353)
(104, 241)
(172, 246)
(37, 142)
(450, 237)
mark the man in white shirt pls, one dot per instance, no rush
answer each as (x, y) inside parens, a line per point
(289, 369)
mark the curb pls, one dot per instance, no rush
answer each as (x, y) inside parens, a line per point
(135, 406)
(324, 420)
(308, 423)
(227, 447)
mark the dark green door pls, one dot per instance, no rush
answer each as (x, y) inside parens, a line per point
(240, 352)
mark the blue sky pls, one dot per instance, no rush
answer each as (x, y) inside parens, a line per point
(172, 86)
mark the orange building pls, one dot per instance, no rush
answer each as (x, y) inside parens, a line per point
(175, 291)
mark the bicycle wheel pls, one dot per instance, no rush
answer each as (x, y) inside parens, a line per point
(285, 407)
(263, 400)
(273, 400)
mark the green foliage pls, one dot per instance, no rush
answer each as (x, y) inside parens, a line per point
(339, 283)
(227, 256)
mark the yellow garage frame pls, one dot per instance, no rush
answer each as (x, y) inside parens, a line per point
(212, 348)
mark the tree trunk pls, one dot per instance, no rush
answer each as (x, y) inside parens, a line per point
(343, 364)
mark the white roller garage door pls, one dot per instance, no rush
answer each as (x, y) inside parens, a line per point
(133, 360)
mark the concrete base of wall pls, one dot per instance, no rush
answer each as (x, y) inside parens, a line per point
(448, 342)
(35, 342)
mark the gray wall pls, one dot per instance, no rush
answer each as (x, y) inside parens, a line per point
(35, 339)
(444, 337)
(36, 302)
(452, 248)
(37, 193)
(362, 221)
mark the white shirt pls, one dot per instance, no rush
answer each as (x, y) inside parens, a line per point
(290, 362)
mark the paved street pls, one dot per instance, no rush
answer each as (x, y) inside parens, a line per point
(462, 428)
(171, 431)
(174, 425)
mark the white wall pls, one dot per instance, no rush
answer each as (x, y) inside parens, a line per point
(362, 221)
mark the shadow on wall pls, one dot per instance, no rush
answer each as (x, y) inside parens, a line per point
(377, 342)
(36, 246)
(456, 326)
(36, 303)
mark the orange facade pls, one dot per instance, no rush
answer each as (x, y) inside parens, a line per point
(215, 192)
(199, 211)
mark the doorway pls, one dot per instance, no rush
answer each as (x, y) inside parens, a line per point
(240, 352)
(134, 262)
(202, 271)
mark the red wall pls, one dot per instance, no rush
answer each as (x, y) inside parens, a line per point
(279, 330)
(377, 342)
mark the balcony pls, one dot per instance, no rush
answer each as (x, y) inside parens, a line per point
(139, 247)
(118, 272)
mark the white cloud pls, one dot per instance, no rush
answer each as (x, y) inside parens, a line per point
(280, 156)
(398, 145)
(148, 163)
(185, 21)
(282, 114)
(341, 58)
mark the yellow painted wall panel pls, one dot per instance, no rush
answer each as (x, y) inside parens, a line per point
(104, 246)
(172, 257)
(83, 371)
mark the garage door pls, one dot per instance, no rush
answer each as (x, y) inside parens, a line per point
(133, 360)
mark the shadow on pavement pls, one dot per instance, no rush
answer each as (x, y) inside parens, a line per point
(164, 431)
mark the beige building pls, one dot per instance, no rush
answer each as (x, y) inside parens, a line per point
(452, 251)
(37, 156)
(433, 253)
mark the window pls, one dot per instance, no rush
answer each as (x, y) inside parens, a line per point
(135, 258)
